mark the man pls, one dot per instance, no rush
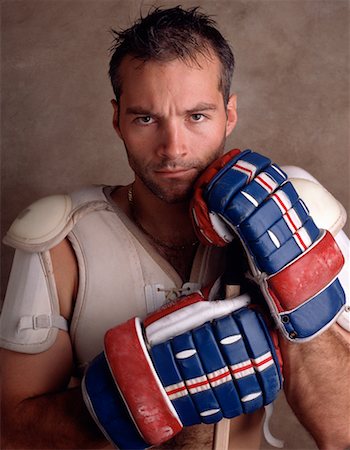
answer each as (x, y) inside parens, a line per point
(132, 248)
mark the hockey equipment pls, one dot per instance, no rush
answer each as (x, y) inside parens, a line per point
(164, 374)
(295, 263)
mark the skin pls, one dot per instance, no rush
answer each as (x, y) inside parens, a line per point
(316, 386)
(171, 132)
(162, 122)
(167, 154)
(170, 137)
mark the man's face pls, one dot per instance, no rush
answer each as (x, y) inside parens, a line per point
(173, 121)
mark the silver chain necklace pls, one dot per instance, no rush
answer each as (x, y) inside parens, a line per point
(155, 240)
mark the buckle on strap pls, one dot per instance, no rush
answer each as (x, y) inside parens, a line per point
(42, 321)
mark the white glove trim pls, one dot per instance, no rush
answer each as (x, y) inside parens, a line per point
(192, 316)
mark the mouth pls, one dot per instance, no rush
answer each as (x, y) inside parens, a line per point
(175, 173)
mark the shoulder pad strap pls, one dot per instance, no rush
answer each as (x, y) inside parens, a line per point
(327, 212)
(47, 221)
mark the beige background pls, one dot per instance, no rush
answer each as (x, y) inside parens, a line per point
(291, 79)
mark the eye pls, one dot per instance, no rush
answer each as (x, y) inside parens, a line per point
(144, 120)
(197, 117)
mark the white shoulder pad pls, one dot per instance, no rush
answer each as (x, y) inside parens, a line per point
(30, 317)
(325, 210)
(41, 221)
(47, 221)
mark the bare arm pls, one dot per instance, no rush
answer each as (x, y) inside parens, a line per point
(38, 408)
(38, 411)
(317, 386)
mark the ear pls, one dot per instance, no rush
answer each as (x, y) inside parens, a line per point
(116, 117)
(231, 112)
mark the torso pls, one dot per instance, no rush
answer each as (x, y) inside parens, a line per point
(246, 430)
(180, 257)
(66, 267)
(121, 273)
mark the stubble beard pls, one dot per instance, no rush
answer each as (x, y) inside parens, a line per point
(172, 191)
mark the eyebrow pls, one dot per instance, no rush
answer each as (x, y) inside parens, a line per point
(140, 110)
(203, 107)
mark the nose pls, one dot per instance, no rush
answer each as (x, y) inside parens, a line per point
(172, 143)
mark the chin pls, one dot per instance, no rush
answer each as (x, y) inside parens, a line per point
(173, 200)
(172, 191)
(173, 194)
(173, 197)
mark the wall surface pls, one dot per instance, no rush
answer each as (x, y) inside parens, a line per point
(292, 81)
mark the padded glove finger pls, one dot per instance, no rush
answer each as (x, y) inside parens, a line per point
(224, 367)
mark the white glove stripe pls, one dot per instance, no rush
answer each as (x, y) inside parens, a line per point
(282, 201)
(222, 380)
(263, 362)
(197, 384)
(302, 238)
(192, 316)
(213, 379)
(217, 375)
(242, 369)
(246, 368)
(292, 220)
(246, 168)
(176, 390)
(266, 182)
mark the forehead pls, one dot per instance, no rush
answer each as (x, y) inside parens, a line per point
(195, 80)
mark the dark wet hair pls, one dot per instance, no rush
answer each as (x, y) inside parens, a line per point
(168, 34)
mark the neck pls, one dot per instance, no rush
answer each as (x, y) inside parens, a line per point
(169, 223)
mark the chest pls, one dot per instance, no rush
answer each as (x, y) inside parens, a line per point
(122, 276)
(181, 259)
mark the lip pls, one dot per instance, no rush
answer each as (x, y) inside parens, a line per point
(177, 173)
